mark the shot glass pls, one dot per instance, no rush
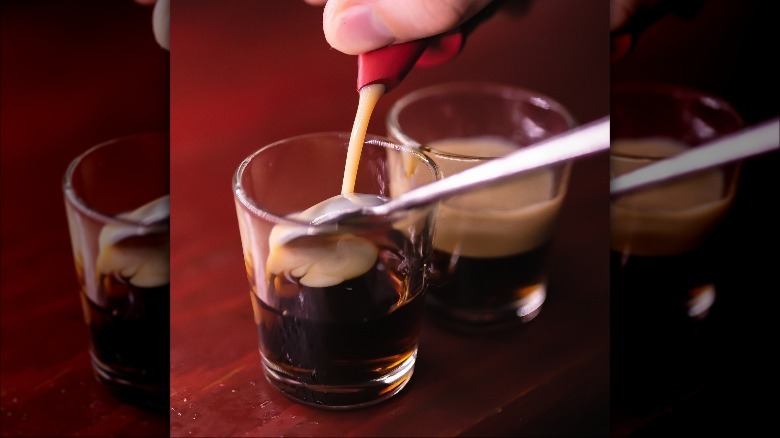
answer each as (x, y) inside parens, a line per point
(663, 237)
(659, 234)
(491, 246)
(338, 308)
(117, 205)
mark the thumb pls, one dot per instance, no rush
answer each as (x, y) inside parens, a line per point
(161, 23)
(358, 26)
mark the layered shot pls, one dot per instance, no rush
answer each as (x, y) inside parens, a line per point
(118, 210)
(664, 239)
(338, 308)
(492, 245)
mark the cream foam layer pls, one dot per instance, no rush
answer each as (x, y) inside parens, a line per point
(319, 261)
(328, 261)
(669, 218)
(142, 265)
(499, 221)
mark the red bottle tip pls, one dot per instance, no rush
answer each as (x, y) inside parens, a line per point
(390, 65)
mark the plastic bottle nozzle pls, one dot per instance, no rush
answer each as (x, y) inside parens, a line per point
(390, 65)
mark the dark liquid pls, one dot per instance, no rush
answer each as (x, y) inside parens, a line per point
(485, 289)
(130, 341)
(660, 308)
(347, 334)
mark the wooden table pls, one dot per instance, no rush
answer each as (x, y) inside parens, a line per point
(74, 74)
(247, 73)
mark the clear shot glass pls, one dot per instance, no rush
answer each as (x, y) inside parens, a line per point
(491, 247)
(664, 238)
(338, 308)
(117, 205)
(660, 235)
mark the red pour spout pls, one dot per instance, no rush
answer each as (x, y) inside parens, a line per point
(390, 65)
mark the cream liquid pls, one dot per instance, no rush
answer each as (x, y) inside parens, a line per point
(143, 266)
(369, 96)
(122, 251)
(511, 218)
(328, 261)
(669, 218)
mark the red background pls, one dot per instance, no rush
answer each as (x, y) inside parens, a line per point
(74, 74)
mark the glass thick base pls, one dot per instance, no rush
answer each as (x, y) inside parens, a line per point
(149, 396)
(342, 396)
(524, 310)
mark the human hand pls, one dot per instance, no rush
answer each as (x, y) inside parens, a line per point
(160, 21)
(629, 18)
(359, 26)
(624, 12)
(621, 13)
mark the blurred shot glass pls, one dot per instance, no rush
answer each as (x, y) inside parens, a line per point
(663, 237)
(659, 234)
(338, 308)
(491, 245)
(117, 205)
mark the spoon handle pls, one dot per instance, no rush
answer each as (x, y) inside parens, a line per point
(761, 138)
(589, 138)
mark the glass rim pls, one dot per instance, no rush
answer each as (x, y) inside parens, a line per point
(468, 87)
(79, 204)
(677, 92)
(672, 91)
(260, 212)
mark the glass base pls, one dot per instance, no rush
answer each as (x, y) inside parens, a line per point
(344, 396)
(525, 309)
(147, 396)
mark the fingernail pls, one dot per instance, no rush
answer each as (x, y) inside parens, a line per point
(360, 30)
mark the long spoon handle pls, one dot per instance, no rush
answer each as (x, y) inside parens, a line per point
(590, 138)
(759, 139)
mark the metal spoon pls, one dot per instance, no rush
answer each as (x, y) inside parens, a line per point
(349, 211)
(755, 140)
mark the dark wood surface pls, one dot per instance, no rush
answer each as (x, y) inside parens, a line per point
(246, 74)
(74, 74)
